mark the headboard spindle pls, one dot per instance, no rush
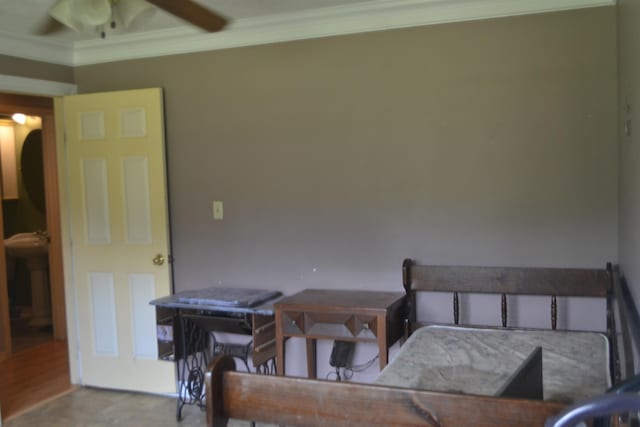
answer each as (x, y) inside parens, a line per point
(456, 309)
(554, 312)
(504, 310)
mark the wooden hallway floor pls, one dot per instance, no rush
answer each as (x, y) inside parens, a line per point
(33, 376)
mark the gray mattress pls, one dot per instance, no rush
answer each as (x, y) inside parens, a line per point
(478, 361)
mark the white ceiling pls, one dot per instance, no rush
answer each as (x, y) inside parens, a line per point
(252, 22)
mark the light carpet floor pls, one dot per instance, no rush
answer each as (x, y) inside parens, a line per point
(90, 407)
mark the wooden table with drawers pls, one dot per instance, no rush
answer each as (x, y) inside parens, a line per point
(360, 316)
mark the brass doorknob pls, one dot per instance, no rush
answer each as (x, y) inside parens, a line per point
(158, 260)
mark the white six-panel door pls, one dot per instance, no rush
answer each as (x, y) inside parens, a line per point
(119, 224)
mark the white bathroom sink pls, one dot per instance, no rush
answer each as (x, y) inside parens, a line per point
(25, 245)
(33, 248)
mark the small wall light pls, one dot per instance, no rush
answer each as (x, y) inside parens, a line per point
(19, 118)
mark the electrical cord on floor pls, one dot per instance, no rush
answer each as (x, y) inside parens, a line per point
(334, 375)
(349, 370)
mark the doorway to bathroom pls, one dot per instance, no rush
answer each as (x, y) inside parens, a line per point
(39, 372)
(32, 309)
(25, 236)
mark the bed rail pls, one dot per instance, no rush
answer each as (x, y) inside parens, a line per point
(299, 402)
(629, 326)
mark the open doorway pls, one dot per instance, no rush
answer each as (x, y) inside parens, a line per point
(42, 113)
(33, 327)
(25, 235)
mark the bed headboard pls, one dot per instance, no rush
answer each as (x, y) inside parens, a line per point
(553, 282)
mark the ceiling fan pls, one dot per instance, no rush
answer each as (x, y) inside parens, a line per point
(80, 15)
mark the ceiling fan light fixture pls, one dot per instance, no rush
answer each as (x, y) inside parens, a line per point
(131, 11)
(100, 15)
(92, 13)
(62, 12)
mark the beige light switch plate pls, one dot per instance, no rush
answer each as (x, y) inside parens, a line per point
(218, 212)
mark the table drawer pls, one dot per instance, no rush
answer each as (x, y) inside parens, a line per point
(329, 325)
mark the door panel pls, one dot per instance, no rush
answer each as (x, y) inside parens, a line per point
(118, 209)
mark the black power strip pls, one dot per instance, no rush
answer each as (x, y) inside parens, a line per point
(341, 354)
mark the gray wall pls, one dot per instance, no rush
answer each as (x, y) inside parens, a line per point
(629, 69)
(12, 66)
(488, 142)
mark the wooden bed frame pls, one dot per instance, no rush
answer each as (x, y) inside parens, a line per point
(315, 403)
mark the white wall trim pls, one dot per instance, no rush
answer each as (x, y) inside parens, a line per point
(27, 86)
(339, 20)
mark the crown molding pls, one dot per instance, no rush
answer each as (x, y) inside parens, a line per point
(36, 48)
(27, 86)
(339, 20)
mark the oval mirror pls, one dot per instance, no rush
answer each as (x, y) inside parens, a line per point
(32, 169)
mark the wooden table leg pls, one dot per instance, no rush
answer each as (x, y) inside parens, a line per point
(311, 358)
(383, 349)
(279, 344)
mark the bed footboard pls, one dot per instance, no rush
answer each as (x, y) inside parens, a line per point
(317, 403)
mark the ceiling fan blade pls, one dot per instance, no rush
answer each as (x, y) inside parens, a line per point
(49, 26)
(192, 12)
